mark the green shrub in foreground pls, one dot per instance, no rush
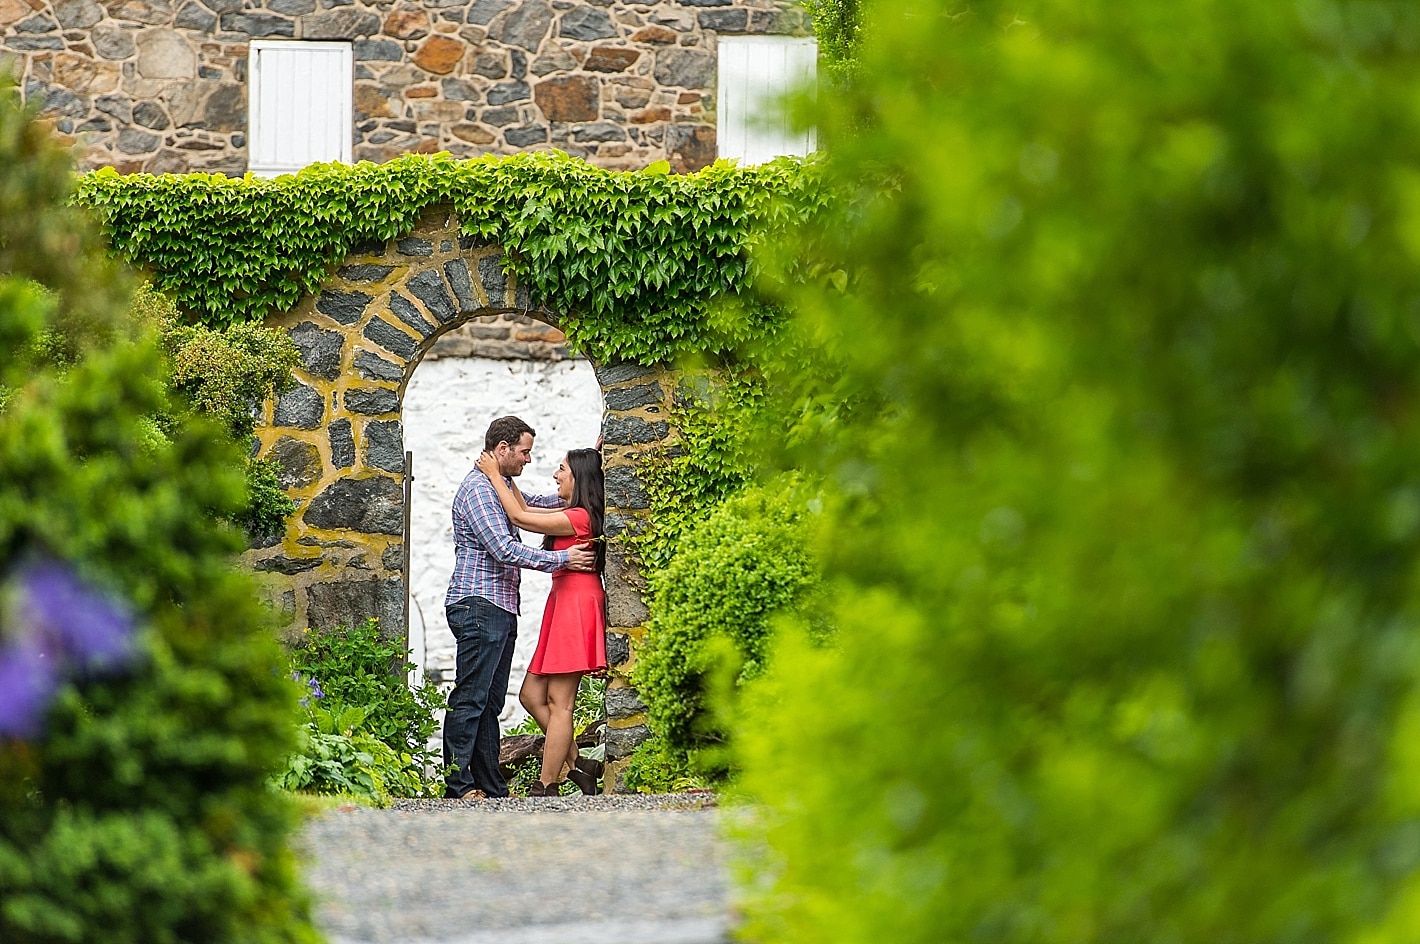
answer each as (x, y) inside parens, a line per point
(1124, 566)
(713, 605)
(138, 810)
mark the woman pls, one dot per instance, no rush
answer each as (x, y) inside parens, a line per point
(573, 637)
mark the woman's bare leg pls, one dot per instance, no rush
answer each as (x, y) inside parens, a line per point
(561, 696)
(533, 696)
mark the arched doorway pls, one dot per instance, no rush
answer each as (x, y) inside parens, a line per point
(338, 437)
(492, 366)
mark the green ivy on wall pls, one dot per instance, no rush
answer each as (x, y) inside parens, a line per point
(633, 260)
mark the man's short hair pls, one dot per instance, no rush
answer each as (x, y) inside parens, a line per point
(505, 429)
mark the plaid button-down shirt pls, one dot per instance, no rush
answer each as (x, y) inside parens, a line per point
(488, 552)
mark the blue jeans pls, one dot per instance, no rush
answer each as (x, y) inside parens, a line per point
(486, 636)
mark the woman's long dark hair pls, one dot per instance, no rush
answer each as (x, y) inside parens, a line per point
(588, 491)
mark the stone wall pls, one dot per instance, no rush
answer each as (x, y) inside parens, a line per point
(160, 85)
(338, 439)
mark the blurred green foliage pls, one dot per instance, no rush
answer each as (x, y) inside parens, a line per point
(712, 608)
(1125, 526)
(142, 813)
(358, 669)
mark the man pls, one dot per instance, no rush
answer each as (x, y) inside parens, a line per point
(482, 609)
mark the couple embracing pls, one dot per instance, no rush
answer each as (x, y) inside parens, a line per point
(482, 610)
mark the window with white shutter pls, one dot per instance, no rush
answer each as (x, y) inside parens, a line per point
(755, 73)
(300, 107)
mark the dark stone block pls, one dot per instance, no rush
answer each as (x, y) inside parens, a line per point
(258, 25)
(428, 287)
(194, 17)
(299, 463)
(223, 6)
(597, 132)
(130, 141)
(629, 398)
(460, 90)
(371, 506)
(494, 279)
(320, 349)
(706, 3)
(586, 23)
(341, 24)
(374, 367)
(364, 273)
(726, 21)
(524, 135)
(78, 14)
(33, 43)
(500, 117)
(632, 430)
(257, 542)
(393, 558)
(481, 11)
(456, 271)
(405, 311)
(342, 444)
(36, 24)
(292, 7)
(300, 407)
(390, 338)
(691, 147)
(506, 92)
(226, 108)
(346, 603)
(688, 67)
(414, 246)
(344, 307)
(618, 649)
(281, 564)
(378, 50)
(610, 374)
(520, 64)
(525, 25)
(623, 703)
(624, 489)
(621, 742)
(384, 445)
(371, 401)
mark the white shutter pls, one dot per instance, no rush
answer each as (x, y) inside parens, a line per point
(755, 73)
(300, 103)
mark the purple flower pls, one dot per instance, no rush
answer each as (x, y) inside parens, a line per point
(54, 624)
(94, 631)
(28, 678)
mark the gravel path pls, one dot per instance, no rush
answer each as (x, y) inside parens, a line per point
(570, 870)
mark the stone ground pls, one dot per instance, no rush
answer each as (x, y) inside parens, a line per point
(569, 870)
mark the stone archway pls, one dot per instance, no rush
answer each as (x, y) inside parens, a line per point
(337, 437)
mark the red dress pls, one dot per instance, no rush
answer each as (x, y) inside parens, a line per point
(573, 636)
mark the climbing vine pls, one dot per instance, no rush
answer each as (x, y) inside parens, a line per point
(634, 261)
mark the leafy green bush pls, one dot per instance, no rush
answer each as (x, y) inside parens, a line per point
(837, 26)
(336, 755)
(712, 607)
(653, 768)
(636, 261)
(1124, 560)
(226, 374)
(133, 795)
(359, 670)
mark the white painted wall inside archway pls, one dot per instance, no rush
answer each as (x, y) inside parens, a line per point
(447, 407)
